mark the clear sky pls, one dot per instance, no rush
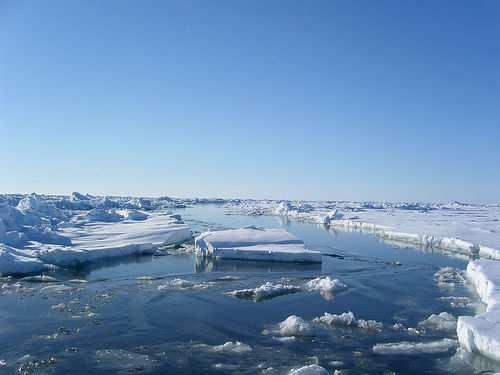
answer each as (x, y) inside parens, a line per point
(362, 100)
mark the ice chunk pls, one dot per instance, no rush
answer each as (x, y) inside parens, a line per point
(309, 370)
(13, 261)
(253, 243)
(236, 347)
(292, 326)
(449, 275)
(324, 285)
(408, 347)
(440, 322)
(265, 291)
(347, 320)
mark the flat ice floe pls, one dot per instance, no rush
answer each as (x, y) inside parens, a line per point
(97, 241)
(481, 333)
(409, 347)
(254, 243)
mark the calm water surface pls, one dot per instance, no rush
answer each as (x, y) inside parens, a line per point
(116, 323)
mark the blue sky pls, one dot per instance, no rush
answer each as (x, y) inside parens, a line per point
(363, 100)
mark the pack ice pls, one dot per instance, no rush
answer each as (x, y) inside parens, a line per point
(254, 243)
(39, 232)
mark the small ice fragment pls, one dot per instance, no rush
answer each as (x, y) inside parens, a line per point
(309, 370)
(39, 279)
(236, 347)
(324, 284)
(347, 320)
(292, 326)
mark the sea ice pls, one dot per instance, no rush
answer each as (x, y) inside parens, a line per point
(253, 243)
(309, 370)
(13, 262)
(409, 347)
(235, 347)
(324, 285)
(292, 326)
(265, 291)
(347, 320)
(440, 322)
(481, 333)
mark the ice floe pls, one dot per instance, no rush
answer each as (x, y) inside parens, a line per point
(254, 243)
(265, 291)
(409, 347)
(324, 285)
(481, 333)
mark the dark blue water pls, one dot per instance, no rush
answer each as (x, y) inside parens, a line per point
(118, 324)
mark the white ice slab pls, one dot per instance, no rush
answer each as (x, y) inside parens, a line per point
(481, 333)
(253, 243)
(96, 241)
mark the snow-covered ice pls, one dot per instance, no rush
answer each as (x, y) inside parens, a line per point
(254, 243)
(324, 285)
(38, 232)
(265, 291)
(481, 333)
(410, 347)
(455, 227)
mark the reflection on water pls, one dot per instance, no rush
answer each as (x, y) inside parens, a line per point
(210, 264)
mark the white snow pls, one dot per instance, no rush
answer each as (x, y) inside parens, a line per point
(309, 370)
(481, 333)
(409, 347)
(254, 243)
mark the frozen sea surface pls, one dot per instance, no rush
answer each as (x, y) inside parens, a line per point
(175, 314)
